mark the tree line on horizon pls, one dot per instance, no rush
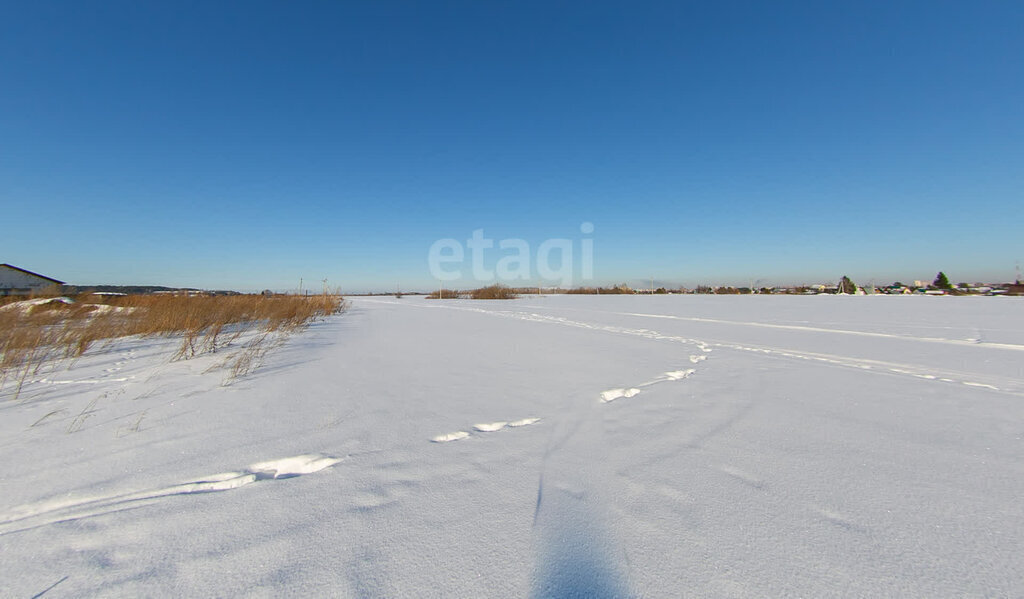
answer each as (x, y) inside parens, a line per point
(845, 286)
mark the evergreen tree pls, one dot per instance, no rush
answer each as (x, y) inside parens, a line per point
(941, 281)
(847, 286)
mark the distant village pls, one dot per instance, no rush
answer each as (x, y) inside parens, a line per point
(22, 282)
(845, 286)
(897, 288)
(939, 286)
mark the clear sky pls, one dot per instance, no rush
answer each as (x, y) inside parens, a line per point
(250, 144)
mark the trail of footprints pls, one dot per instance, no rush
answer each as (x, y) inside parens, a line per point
(484, 427)
(107, 376)
(606, 396)
(126, 357)
(672, 375)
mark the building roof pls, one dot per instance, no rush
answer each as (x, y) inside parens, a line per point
(34, 274)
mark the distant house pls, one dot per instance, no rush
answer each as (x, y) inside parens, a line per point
(18, 281)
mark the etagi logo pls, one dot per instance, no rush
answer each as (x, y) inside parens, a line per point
(555, 261)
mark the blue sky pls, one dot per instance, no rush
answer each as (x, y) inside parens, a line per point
(247, 145)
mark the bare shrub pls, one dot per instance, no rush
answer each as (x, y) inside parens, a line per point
(444, 294)
(617, 290)
(493, 292)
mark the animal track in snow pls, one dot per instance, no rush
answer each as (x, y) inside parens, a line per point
(63, 510)
(838, 519)
(696, 359)
(742, 476)
(125, 358)
(95, 381)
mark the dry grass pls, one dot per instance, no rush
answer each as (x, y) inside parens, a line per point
(617, 290)
(444, 294)
(493, 292)
(33, 335)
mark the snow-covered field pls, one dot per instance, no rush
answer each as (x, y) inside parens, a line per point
(558, 446)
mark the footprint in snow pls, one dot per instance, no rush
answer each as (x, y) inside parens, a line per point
(490, 427)
(678, 375)
(448, 437)
(613, 394)
(523, 422)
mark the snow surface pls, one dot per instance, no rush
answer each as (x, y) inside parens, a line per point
(26, 305)
(656, 446)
